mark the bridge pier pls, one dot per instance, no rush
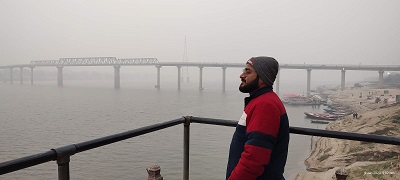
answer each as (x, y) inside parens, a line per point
(380, 83)
(21, 75)
(31, 74)
(11, 75)
(179, 77)
(277, 81)
(308, 82)
(60, 81)
(201, 78)
(223, 78)
(343, 81)
(117, 79)
(158, 77)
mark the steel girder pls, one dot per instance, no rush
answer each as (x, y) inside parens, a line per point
(89, 61)
(137, 61)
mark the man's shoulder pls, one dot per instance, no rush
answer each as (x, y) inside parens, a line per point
(270, 97)
(271, 100)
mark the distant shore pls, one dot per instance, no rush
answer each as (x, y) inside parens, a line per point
(361, 160)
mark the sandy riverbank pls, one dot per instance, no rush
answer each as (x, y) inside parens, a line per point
(362, 160)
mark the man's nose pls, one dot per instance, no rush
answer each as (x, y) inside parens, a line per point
(242, 75)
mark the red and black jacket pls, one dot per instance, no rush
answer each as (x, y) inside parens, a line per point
(259, 145)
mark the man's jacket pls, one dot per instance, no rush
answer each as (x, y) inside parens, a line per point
(259, 145)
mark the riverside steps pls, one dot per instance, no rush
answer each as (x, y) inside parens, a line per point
(62, 154)
(118, 63)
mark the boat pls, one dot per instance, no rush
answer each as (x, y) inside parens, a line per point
(338, 110)
(298, 99)
(319, 121)
(329, 110)
(321, 116)
(341, 114)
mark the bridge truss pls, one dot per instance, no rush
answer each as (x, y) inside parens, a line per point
(93, 61)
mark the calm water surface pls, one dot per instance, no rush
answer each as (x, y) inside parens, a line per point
(37, 118)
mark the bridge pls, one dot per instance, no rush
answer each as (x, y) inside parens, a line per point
(117, 63)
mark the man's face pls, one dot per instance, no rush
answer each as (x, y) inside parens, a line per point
(249, 80)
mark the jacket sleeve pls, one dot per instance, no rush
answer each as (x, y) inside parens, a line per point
(261, 132)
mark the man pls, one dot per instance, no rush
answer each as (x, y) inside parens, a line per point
(259, 145)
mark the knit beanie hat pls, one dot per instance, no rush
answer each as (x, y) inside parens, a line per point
(265, 67)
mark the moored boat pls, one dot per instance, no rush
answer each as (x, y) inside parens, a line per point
(322, 116)
(341, 114)
(319, 121)
(298, 99)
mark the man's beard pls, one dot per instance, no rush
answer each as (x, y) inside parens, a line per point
(248, 88)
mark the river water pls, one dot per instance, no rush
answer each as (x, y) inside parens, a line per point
(37, 118)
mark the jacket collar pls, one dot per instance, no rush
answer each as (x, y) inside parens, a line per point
(257, 93)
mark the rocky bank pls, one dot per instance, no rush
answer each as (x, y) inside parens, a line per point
(361, 160)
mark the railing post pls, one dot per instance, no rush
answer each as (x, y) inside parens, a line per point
(154, 172)
(186, 141)
(63, 157)
(341, 174)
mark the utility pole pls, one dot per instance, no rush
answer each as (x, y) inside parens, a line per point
(185, 60)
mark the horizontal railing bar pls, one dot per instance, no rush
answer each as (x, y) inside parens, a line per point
(221, 122)
(314, 132)
(28, 161)
(346, 135)
(83, 146)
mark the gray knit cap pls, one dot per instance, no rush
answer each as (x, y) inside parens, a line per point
(265, 67)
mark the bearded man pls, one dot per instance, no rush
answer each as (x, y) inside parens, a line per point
(259, 146)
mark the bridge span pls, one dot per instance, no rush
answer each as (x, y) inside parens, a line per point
(117, 63)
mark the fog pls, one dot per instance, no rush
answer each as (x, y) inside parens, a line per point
(294, 32)
(35, 117)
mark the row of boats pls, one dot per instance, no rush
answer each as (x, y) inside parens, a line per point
(331, 114)
(298, 99)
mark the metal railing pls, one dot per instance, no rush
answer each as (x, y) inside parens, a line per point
(62, 154)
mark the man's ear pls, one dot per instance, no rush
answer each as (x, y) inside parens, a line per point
(261, 83)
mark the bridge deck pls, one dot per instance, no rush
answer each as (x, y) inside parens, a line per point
(112, 61)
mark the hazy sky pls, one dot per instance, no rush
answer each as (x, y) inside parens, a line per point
(318, 31)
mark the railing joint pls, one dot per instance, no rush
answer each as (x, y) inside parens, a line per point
(188, 120)
(64, 151)
(63, 158)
